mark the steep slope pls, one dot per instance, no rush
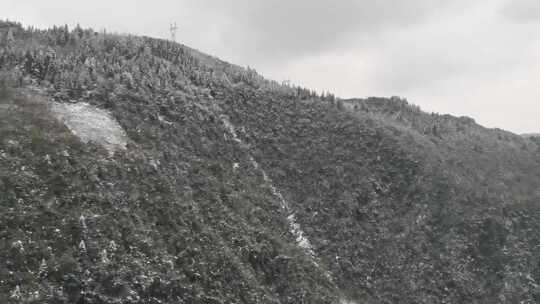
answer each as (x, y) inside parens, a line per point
(169, 219)
(400, 216)
(224, 187)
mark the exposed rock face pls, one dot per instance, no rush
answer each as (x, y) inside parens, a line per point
(91, 124)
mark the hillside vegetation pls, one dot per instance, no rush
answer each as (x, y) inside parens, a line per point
(231, 188)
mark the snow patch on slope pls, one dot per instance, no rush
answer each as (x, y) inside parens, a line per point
(91, 124)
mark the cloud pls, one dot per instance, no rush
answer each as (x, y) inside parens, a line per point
(474, 45)
(470, 62)
(522, 11)
(274, 30)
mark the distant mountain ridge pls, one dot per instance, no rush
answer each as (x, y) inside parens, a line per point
(138, 170)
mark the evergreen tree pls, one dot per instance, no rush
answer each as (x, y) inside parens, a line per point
(8, 40)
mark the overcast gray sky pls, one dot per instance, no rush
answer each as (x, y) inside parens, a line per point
(479, 58)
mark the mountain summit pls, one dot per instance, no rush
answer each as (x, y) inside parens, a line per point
(138, 170)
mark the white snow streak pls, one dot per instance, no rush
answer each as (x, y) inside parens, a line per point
(301, 239)
(296, 230)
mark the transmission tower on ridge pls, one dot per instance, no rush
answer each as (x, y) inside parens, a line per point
(173, 30)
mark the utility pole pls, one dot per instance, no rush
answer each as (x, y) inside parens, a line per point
(173, 30)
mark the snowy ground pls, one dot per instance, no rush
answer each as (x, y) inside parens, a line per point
(91, 124)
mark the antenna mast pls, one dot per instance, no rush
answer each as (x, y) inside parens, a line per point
(173, 30)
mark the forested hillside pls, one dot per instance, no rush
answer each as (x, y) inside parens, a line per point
(138, 170)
